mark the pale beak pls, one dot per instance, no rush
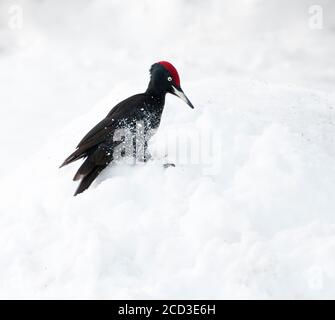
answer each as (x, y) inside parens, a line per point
(179, 93)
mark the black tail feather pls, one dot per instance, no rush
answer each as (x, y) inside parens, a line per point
(78, 154)
(85, 169)
(88, 179)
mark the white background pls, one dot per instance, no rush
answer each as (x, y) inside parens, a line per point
(261, 79)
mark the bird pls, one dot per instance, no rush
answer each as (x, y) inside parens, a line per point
(107, 141)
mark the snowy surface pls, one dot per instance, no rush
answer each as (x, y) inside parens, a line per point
(256, 220)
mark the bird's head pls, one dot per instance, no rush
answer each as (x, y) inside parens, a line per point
(165, 78)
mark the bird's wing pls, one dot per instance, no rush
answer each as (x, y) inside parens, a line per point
(123, 110)
(98, 133)
(104, 130)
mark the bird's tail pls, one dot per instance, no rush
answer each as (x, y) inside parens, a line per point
(87, 180)
(96, 161)
(77, 154)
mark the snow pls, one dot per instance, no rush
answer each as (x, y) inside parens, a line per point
(250, 215)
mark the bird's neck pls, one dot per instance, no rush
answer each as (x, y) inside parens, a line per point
(156, 92)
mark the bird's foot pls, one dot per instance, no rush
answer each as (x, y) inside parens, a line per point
(167, 165)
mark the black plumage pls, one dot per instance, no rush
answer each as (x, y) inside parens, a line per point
(144, 110)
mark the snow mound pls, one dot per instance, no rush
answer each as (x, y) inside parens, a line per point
(260, 223)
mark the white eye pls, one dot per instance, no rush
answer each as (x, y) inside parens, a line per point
(169, 79)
